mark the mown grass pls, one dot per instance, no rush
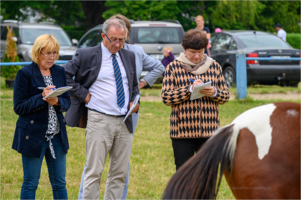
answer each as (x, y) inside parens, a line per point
(254, 89)
(265, 89)
(152, 161)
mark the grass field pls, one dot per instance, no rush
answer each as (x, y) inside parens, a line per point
(152, 162)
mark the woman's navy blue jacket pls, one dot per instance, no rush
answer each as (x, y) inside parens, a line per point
(33, 110)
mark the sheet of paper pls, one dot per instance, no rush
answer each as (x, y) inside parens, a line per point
(58, 92)
(133, 106)
(196, 90)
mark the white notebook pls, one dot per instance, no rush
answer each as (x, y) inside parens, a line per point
(58, 91)
(133, 106)
(196, 90)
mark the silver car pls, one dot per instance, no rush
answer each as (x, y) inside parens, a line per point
(26, 33)
(153, 36)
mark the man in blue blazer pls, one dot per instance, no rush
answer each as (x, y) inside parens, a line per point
(105, 84)
(143, 62)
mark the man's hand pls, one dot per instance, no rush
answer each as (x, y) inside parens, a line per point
(88, 98)
(208, 91)
(135, 109)
(141, 84)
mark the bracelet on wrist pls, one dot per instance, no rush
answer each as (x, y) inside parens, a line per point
(143, 81)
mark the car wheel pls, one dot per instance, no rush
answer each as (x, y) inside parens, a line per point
(21, 59)
(229, 76)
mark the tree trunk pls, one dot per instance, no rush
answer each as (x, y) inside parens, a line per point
(93, 11)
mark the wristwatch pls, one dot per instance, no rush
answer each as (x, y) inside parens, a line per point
(143, 81)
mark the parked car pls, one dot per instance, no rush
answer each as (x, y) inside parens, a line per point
(226, 44)
(26, 33)
(153, 36)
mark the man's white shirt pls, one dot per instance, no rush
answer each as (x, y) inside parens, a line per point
(103, 91)
(282, 34)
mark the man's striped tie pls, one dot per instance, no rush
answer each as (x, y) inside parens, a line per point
(119, 82)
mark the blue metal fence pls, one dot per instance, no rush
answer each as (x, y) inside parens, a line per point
(241, 72)
(27, 63)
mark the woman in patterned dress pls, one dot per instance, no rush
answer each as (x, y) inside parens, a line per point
(192, 122)
(41, 130)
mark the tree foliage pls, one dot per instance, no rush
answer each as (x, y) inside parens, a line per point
(229, 15)
(225, 14)
(143, 10)
(236, 14)
(62, 12)
(285, 12)
(93, 10)
(10, 55)
(11, 46)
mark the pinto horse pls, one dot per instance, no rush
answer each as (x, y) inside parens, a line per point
(259, 154)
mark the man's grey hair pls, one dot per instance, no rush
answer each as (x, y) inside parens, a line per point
(117, 23)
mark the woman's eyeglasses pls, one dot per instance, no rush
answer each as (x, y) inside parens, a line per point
(47, 55)
(116, 41)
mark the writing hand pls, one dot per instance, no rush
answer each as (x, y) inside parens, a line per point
(47, 90)
(196, 82)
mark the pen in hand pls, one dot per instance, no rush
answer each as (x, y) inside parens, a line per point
(194, 80)
(42, 88)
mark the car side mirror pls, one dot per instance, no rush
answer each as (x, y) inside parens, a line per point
(74, 42)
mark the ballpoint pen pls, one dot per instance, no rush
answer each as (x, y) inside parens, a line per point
(195, 79)
(42, 88)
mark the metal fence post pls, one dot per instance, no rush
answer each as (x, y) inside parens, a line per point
(241, 76)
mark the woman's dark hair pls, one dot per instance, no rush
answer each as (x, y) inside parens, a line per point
(194, 39)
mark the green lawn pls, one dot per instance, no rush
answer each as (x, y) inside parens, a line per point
(152, 162)
(254, 89)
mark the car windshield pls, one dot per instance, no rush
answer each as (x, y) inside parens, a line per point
(28, 35)
(263, 41)
(158, 35)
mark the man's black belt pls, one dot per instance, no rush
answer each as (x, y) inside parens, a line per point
(106, 114)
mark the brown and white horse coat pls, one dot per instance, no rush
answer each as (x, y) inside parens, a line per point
(259, 154)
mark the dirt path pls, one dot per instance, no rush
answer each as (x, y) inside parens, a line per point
(288, 96)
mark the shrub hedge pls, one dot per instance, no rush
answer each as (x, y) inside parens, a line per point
(293, 39)
(74, 32)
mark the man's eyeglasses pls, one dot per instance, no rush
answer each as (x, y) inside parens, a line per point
(116, 41)
(47, 55)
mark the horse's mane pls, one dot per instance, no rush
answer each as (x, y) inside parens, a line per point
(185, 184)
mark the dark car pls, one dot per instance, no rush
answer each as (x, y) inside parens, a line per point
(226, 44)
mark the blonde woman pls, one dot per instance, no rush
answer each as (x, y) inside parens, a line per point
(199, 20)
(40, 130)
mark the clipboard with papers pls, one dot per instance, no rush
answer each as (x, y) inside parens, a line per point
(58, 91)
(136, 100)
(196, 90)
